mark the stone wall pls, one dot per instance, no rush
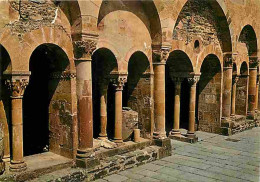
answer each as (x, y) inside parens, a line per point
(241, 96)
(197, 20)
(209, 95)
(61, 117)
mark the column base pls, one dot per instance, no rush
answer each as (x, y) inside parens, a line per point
(85, 158)
(102, 137)
(175, 133)
(17, 166)
(251, 115)
(118, 140)
(159, 135)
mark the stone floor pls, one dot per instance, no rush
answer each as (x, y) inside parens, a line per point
(214, 158)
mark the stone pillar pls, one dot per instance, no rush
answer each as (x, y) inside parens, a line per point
(119, 84)
(84, 50)
(17, 87)
(176, 126)
(227, 81)
(253, 62)
(257, 92)
(159, 92)
(103, 113)
(192, 106)
(234, 90)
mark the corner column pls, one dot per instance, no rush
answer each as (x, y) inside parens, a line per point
(160, 57)
(119, 84)
(176, 127)
(234, 90)
(192, 106)
(17, 87)
(84, 50)
(253, 63)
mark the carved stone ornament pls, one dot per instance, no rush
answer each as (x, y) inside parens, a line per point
(119, 82)
(62, 76)
(177, 80)
(193, 80)
(253, 62)
(85, 48)
(235, 79)
(17, 86)
(160, 54)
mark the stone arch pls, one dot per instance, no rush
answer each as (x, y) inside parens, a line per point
(49, 100)
(104, 66)
(21, 51)
(5, 105)
(72, 11)
(208, 50)
(145, 10)
(248, 37)
(213, 15)
(209, 95)
(242, 90)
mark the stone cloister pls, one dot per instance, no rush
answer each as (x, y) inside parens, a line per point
(93, 79)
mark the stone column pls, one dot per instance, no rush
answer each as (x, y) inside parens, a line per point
(227, 81)
(119, 84)
(253, 62)
(84, 94)
(176, 126)
(103, 112)
(159, 92)
(257, 92)
(192, 106)
(17, 87)
(234, 90)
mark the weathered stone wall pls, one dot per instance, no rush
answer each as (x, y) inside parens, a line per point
(209, 95)
(140, 101)
(241, 96)
(197, 20)
(61, 117)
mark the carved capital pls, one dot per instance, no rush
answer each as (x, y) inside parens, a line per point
(85, 48)
(253, 61)
(119, 81)
(193, 80)
(160, 54)
(17, 86)
(228, 60)
(63, 75)
(177, 80)
(235, 79)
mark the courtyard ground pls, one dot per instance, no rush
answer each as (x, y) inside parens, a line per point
(214, 158)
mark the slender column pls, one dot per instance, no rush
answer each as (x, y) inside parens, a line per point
(256, 95)
(252, 93)
(193, 83)
(227, 74)
(103, 113)
(234, 90)
(17, 87)
(159, 61)
(84, 94)
(118, 108)
(176, 126)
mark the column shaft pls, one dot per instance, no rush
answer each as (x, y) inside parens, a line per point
(234, 90)
(118, 116)
(192, 109)
(227, 92)
(84, 93)
(256, 95)
(176, 126)
(159, 100)
(252, 92)
(103, 115)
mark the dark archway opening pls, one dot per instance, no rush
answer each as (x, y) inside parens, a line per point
(209, 95)
(46, 63)
(104, 63)
(242, 91)
(137, 92)
(5, 101)
(178, 66)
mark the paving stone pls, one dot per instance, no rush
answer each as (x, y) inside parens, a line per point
(148, 179)
(151, 167)
(131, 175)
(116, 178)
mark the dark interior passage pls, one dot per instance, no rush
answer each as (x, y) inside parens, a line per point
(45, 61)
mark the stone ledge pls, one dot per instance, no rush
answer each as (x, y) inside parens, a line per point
(184, 138)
